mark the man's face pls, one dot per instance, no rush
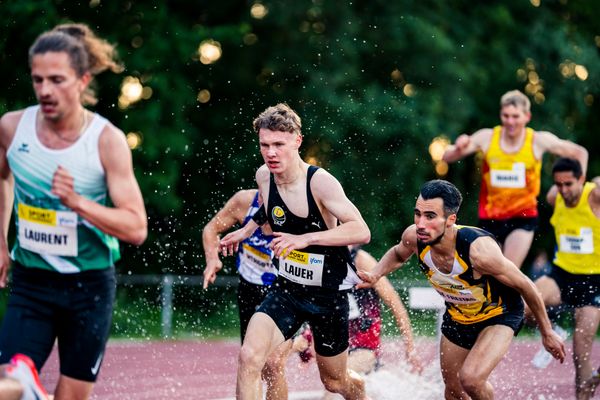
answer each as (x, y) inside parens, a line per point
(56, 85)
(514, 119)
(430, 220)
(278, 149)
(569, 187)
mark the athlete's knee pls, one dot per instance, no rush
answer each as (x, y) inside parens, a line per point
(250, 359)
(334, 384)
(471, 380)
(454, 392)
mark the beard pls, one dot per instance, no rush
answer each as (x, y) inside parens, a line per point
(433, 241)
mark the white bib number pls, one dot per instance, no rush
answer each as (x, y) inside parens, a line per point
(255, 259)
(303, 268)
(48, 231)
(509, 178)
(578, 244)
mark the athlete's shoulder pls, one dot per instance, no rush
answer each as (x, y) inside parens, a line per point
(8, 126)
(244, 196)
(409, 236)
(471, 232)
(262, 173)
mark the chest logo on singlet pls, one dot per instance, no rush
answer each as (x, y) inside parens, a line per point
(23, 148)
(47, 231)
(278, 215)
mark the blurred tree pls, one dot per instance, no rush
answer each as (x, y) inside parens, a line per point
(374, 81)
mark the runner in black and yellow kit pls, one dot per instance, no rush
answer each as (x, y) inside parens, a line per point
(313, 222)
(575, 276)
(482, 290)
(510, 182)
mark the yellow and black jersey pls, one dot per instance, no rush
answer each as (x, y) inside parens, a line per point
(468, 300)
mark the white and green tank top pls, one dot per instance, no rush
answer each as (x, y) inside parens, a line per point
(49, 235)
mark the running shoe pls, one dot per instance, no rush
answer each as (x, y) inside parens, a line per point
(592, 384)
(306, 355)
(22, 369)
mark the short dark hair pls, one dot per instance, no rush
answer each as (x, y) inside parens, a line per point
(564, 164)
(439, 188)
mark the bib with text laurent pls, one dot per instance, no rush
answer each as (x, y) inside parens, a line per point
(48, 231)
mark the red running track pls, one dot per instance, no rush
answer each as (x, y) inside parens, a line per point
(152, 370)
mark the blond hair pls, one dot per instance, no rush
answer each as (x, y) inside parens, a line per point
(516, 98)
(278, 118)
(87, 52)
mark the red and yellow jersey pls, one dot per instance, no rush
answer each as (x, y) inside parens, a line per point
(510, 183)
(469, 300)
(577, 233)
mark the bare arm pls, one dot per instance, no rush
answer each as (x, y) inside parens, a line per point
(8, 126)
(487, 259)
(366, 262)
(551, 195)
(393, 259)
(127, 219)
(549, 142)
(466, 145)
(595, 193)
(230, 242)
(232, 213)
(352, 228)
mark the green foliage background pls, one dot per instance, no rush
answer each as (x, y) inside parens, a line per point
(333, 62)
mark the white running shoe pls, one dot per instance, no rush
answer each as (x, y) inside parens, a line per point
(22, 369)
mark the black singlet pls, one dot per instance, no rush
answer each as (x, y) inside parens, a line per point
(327, 267)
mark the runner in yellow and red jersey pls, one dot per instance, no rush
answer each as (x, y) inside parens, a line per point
(511, 173)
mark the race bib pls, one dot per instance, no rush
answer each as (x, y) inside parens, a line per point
(509, 178)
(255, 259)
(578, 244)
(47, 231)
(303, 268)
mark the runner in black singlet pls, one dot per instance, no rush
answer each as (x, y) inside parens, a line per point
(313, 222)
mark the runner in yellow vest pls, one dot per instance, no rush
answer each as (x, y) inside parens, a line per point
(511, 173)
(575, 276)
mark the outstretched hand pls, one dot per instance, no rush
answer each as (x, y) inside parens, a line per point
(462, 141)
(230, 242)
(284, 243)
(368, 279)
(554, 345)
(210, 272)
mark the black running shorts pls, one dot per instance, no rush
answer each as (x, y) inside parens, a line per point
(465, 335)
(577, 290)
(249, 297)
(503, 227)
(326, 313)
(76, 309)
